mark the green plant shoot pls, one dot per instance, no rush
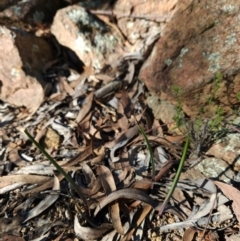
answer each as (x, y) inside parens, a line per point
(149, 149)
(69, 179)
(176, 178)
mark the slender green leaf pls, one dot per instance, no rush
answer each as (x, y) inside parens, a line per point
(149, 149)
(176, 178)
(69, 179)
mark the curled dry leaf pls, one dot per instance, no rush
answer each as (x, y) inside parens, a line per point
(87, 233)
(107, 89)
(86, 108)
(88, 175)
(39, 169)
(94, 189)
(130, 193)
(79, 82)
(130, 74)
(79, 157)
(32, 179)
(206, 208)
(121, 141)
(135, 225)
(189, 234)
(44, 186)
(8, 183)
(7, 187)
(105, 78)
(199, 217)
(122, 122)
(109, 186)
(65, 86)
(233, 194)
(45, 203)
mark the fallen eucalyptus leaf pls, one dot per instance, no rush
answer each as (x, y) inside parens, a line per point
(197, 218)
(45, 203)
(134, 226)
(107, 89)
(88, 175)
(89, 234)
(9, 187)
(93, 190)
(130, 193)
(85, 109)
(233, 194)
(121, 141)
(39, 169)
(109, 186)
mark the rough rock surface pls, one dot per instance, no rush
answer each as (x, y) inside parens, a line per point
(164, 111)
(139, 18)
(37, 11)
(212, 168)
(228, 149)
(89, 37)
(192, 50)
(22, 57)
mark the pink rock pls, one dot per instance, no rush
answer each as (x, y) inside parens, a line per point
(199, 41)
(89, 37)
(228, 149)
(154, 10)
(138, 19)
(22, 57)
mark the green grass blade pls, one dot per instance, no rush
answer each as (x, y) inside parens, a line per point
(149, 149)
(69, 179)
(176, 178)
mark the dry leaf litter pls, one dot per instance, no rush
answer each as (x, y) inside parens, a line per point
(88, 123)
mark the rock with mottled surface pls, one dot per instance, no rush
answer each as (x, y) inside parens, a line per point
(210, 167)
(199, 41)
(37, 11)
(139, 19)
(164, 111)
(90, 38)
(228, 149)
(22, 57)
(215, 168)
